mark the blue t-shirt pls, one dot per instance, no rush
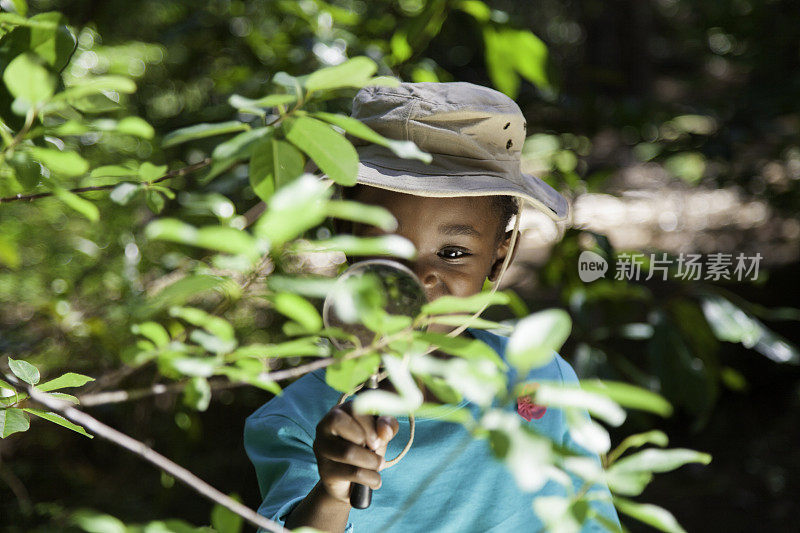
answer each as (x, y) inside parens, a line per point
(447, 482)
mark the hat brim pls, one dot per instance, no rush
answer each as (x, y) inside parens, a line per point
(531, 190)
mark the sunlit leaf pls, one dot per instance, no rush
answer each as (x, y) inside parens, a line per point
(629, 396)
(355, 72)
(356, 128)
(345, 375)
(28, 78)
(197, 394)
(366, 214)
(58, 419)
(70, 379)
(655, 460)
(652, 515)
(67, 164)
(536, 338)
(213, 324)
(200, 131)
(469, 304)
(153, 331)
(274, 163)
(298, 309)
(24, 370)
(385, 245)
(329, 150)
(12, 420)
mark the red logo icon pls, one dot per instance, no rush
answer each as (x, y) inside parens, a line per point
(525, 406)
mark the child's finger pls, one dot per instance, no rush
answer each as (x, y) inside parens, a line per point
(367, 423)
(341, 424)
(387, 427)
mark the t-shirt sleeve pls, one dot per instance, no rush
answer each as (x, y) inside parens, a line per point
(602, 502)
(283, 455)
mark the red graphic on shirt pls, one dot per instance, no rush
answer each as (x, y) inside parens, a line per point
(525, 406)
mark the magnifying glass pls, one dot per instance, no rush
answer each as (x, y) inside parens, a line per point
(366, 286)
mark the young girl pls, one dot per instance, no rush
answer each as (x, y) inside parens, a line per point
(307, 450)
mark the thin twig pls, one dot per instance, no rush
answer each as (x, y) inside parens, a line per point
(119, 396)
(169, 175)
(96, 427)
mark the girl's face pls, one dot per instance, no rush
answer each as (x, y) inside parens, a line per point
(455, 238)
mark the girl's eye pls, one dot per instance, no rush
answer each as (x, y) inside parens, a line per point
(453, 253)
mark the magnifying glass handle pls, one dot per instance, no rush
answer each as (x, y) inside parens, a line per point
(361, 495)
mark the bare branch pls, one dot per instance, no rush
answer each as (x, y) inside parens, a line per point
(142, 450)
(169, 175)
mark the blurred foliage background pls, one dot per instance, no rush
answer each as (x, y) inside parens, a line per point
(671, 124)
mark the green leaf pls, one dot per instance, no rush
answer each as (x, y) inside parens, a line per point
(480, 11)
(27, 78)
(51, 39)
(255, 106)
(95, 85)
(220, 238)
(223, 520)
(469, 304)
(64, 397)
(565, 396)
(345, 375)
(274, 163)
(154, 200)
(197, 394)
(24, 371)
(67, 164)
(655, 460)
(152, 331)
(81, 205)
(12, 420)
(477, 322)
(150, 172)
(94, 522)
(213, 324)
(536, 338)
(463, 347)
(228, 239)
(659, 438)
(356, 128)
(293, 210)
(202, 367)
(629, 396)
(298, 309)
(124, 192)
(385, 245)
(190, 287)
(137, 127)
(200, 131)
(366, 214)
(330, 151)
(293, 348)
(113, 171)
(651, 515)
(20, 6)
(355, 72)
(70, 379)
(58, 419)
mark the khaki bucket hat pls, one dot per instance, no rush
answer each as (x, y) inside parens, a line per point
(474, 134)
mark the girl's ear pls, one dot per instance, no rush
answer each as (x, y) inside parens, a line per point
(500, 255)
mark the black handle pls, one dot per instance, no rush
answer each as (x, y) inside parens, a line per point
(361, 495)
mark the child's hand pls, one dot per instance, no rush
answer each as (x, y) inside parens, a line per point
(340, 449)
